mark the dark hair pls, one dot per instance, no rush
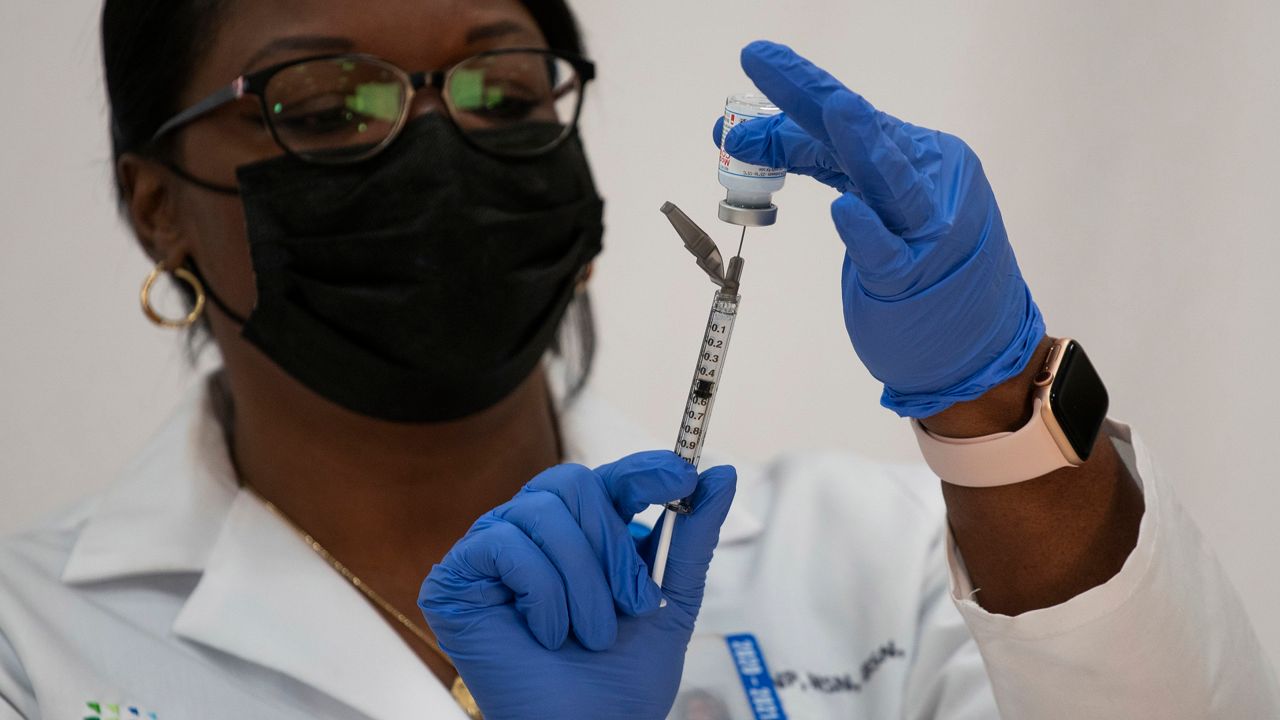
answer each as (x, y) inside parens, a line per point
(151, 47)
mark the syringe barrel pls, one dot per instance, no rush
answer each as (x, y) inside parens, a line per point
(706, 381)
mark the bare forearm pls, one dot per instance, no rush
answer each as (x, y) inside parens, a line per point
(1041, 542)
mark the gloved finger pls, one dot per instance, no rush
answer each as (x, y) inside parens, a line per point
(878, 255)
(492, 564)
(717, 132)
(583, 494)
(900, 133)
(646, 478)
(745, 149)
(694, 539)
(793, 83)
(774, 142)
(778, 142)
(544, 518)
(884, 176)
(801, 89)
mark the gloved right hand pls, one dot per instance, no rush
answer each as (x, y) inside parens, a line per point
(546, 607)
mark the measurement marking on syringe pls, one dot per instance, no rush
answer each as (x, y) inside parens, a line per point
(693, 430)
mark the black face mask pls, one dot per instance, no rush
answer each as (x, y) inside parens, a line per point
(424, 284)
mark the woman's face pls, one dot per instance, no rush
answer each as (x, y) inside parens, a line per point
(208, 228)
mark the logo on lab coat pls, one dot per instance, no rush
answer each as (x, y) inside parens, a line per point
(117, 711)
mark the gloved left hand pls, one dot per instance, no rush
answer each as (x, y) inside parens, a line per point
(558, 558)
(933, 299)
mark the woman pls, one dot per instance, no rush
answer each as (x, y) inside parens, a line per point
(384, 217)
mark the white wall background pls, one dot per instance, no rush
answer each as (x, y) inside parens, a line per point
(1133, 147)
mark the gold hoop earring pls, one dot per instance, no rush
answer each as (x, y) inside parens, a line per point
(185, 276)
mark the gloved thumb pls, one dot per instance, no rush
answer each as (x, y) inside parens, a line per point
(757, 142)
(694, 539)
(879, 256)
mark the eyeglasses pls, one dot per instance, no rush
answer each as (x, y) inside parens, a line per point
(341, 109)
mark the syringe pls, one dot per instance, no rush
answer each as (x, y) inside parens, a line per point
(710, 367)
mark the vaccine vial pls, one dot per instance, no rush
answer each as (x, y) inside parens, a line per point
(748, 188)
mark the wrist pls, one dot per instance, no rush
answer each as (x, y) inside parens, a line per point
(1004, 408)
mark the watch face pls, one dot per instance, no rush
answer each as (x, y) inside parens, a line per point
(1078, 399)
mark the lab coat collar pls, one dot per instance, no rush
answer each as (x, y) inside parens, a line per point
(266, 597)
(166, 510)
(178, 509)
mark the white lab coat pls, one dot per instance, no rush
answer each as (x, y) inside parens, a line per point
(176, 596)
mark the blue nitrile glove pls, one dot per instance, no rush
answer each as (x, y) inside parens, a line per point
(933, 299)
(558, 558)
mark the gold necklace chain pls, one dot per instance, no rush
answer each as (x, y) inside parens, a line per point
(461, 694)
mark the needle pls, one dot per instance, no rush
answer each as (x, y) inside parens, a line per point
(742, 240)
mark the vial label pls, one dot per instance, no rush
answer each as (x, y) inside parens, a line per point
(733, 166)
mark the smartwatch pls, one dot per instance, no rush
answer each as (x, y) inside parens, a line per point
(1069, 405)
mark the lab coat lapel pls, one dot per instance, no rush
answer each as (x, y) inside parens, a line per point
(268, 598)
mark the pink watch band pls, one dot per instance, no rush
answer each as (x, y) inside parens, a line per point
(992, 460)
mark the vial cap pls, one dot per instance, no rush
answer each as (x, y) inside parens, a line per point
(748, 217)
